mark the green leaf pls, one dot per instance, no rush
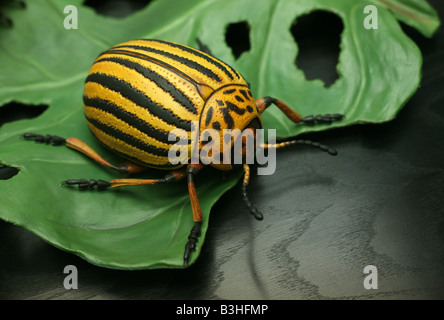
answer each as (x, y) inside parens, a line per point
(416, 13)
(147, 227)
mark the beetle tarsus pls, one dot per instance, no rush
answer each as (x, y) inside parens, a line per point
(322, 118)
(48, 139)
(84, 184)
(253, 210)
(318, 145)
(192, 240)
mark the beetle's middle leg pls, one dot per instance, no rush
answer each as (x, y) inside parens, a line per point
(78, 145)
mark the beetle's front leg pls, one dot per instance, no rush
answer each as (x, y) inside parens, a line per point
(264, 103)
(192, 170)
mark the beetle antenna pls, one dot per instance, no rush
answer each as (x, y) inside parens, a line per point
(309, 143)
(253, 210)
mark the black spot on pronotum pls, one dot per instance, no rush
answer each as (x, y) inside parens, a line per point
(17, 111)
(244, 93)
(238, 98)
(7, 172)
(229, 91)
(209, 116)
(237, 37)
(318, 35)
(235, 108)
(216, 125)
(227, 118)
(117, 8)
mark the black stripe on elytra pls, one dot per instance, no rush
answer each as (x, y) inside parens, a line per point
(209, 59)
(227, 117)
(190, 63)
(139, 98)
(160, 63)
(235, 108)
(250, 109)
(220, 103)
(209, 116)
(244, 93)
(131, 119)
(129, 139)
(163, 83)
(235, 71)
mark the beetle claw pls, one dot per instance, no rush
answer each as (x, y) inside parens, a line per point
(48, 139)
(84, 184)
(322, 118)
(192, 240)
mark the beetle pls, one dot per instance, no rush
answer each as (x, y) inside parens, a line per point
(137, 92)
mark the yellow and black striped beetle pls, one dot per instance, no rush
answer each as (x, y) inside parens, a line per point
(137, 92)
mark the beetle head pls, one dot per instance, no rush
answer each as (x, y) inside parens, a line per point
(230, 119)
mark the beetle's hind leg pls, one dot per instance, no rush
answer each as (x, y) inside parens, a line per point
(84, 184)
(190, 171)
(78, 145)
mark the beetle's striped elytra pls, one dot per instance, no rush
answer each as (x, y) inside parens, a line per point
(137, 93)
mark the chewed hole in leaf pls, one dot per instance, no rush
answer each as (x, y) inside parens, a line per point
(237, 38)
(116, 8)
(17, 111)
(7, 172)
(318, 35)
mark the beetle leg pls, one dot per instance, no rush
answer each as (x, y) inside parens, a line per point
(78, 145)
(253, 210)
(85, 184)
(310, 143)
(264, 103)
(192, 170)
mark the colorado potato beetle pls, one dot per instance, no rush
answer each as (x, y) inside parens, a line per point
(139, 92)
